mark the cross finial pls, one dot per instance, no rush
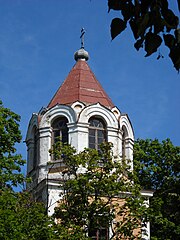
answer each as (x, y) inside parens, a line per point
(82, 37)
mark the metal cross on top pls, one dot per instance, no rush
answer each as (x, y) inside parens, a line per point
(82, 37)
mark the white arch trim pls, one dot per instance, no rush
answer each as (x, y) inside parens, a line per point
(32, 123)
(98, 110)
(125, 122)
(58, 111)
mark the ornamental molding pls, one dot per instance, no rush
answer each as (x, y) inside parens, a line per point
(58, 111)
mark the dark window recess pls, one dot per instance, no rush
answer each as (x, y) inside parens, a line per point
(35, 147)
(60, 130)
(123, 146)
(100, 232)
(97, 133)
(124, 136)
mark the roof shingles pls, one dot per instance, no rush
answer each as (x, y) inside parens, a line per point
(81, 85)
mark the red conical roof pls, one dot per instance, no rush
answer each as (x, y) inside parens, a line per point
(81, 85)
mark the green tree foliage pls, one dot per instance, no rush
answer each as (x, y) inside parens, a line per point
(158, 167)
(93, 183)
(22, 218)
(10, 162)
(151, 22)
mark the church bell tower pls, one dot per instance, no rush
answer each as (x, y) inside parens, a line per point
(80, 113)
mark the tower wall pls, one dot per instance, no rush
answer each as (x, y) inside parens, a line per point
(78, 135)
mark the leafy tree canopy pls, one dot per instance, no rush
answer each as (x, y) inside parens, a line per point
(10, 161)
(151, 22)
(158, 168)
(22, 218)
(98, 188)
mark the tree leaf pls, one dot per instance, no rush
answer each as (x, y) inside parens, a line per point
(171, 19)
(164, 5)
(143, 24)
(175, 56)
(152, 42)
(159, 25)
(127, 10)
(114, 4)
(139, 44)
(134, 28)
(145, 4)
(178, 4)
(117, 26)
(177, 35)
(157, 20)
(169, 40)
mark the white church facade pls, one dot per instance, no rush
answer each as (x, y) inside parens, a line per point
(83, 115)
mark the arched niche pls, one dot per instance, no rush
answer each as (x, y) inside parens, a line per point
(127, 139)
(127, 126)
(32, 143)
(32, 124)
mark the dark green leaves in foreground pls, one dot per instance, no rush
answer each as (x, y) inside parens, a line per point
(117, 26)
(151, 22)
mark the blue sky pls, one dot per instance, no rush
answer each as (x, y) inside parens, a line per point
(38, 39)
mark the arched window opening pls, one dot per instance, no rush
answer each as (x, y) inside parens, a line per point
(124, 135)
(60, 130)
(97, 133)
(35, 141)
